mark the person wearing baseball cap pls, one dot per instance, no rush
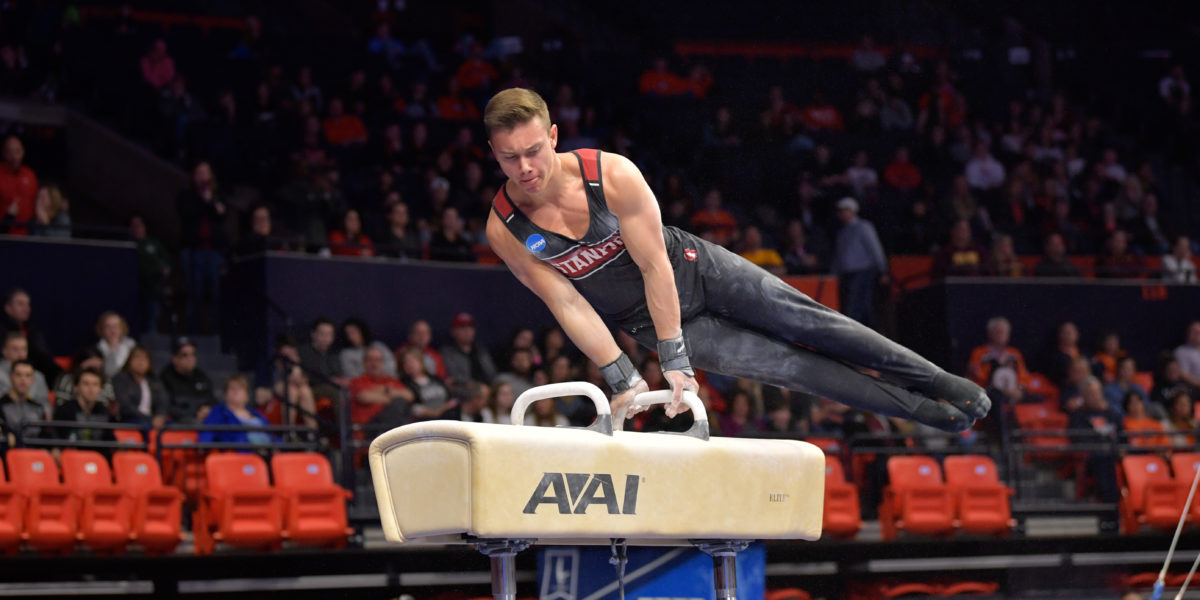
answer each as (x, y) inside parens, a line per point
(859, 263)
(189, 389)
(465, 359)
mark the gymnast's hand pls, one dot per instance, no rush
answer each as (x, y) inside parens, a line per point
(680, 382)
(625, 398)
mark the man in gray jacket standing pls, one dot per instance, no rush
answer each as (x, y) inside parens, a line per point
(858, 262)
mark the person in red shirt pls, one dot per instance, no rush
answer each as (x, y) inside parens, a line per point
(901, 173)
(454, 106)
(658, 81)
(378, 399)
(476, 73)
(18, 189)
(821, 115)
(350, 240)
(342, 129)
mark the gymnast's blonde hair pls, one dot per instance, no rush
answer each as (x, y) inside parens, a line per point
(513, 107)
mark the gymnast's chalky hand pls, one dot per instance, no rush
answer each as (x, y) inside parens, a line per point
(625, 398)
(680, 382)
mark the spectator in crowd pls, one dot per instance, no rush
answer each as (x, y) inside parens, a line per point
(385, 49)
(544, 413)
(1188, 355)
(315, 207)
(861, 176)
(1108, 356)
(154, 271)
(1066, 351)
(356, 338)
(202, 209)
(1138, 423)
(858, 262)
(115, 343)
(500, 403)
(1167, 381)
(431, 396)
(866, 58)
(997, 365)
(1123, 385)
(350, 239)
(1106, 425)
(341, 129)
(1070, 393)
(236, 410)
(259, 240)
(1054, 262)
(283, 393)
(140, 396)
(779, 418)
(712, 222)
(18, 308)
(1178, 266)
(189, 389)
(659, 81)
(18, 189)
(962, 257)
(455, 106)
(450, 242)
(520, 371)
(820, 115)
(983, 171)
(1175, 91)
(741, 418)
(804, 255)
(475, 73)
(88, 357)
(753, 251)
(321, 362)
(1005, 262)
(377, 400)
(420, 337)
(85, 408)
(522, 337)
(15, 350)
(400, 239)
(472, 407)
(18, 407)
(158, 68)
(1180, 422)
(465, 359)
(1117, 261)
(1150, 235)
(901, 173)
(305, 90)
(51, 217)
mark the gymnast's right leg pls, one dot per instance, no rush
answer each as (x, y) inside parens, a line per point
(722, 346)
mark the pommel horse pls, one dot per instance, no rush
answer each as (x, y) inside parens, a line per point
(505, 487)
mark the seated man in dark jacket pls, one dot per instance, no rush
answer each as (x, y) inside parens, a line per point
(190, 391)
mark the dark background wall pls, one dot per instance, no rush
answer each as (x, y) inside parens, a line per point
(70, 284)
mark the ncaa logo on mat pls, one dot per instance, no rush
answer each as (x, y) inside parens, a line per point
(535, 242)
(690, 254)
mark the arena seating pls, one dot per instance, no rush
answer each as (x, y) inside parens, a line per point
(982, 502)
(916, 499)
(1149, 495)
(10, 516)
(843, 516)
(314, 507)
(157, 508)
(104, 511)
(49, 506)
(239, 507)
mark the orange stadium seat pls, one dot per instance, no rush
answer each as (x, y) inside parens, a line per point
(916, 500)
(104, 510)
(1150, 495)
(843, 515)
(982, 501)
(314, 507)
(10, 516)
(1185, 465)
(899, 590)
(157, 516)
(239, 508)
(1043, 417)
(182, 467)
(787, 594)
(961, 588)
(49, 507)
(131, 437)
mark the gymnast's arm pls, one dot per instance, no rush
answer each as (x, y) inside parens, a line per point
(577, 318)
(630, 198)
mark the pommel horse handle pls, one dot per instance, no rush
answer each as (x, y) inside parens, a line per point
(699, 427)
(603, 422)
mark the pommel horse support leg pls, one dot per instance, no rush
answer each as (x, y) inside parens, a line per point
(504, 488)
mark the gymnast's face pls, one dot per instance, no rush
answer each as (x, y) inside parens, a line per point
(526, 154)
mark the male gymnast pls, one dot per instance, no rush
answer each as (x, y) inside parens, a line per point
(583, 231)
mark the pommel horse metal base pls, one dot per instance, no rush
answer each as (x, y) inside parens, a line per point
(504, 488)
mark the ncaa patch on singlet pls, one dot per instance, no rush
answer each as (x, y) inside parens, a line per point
(535, 242)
